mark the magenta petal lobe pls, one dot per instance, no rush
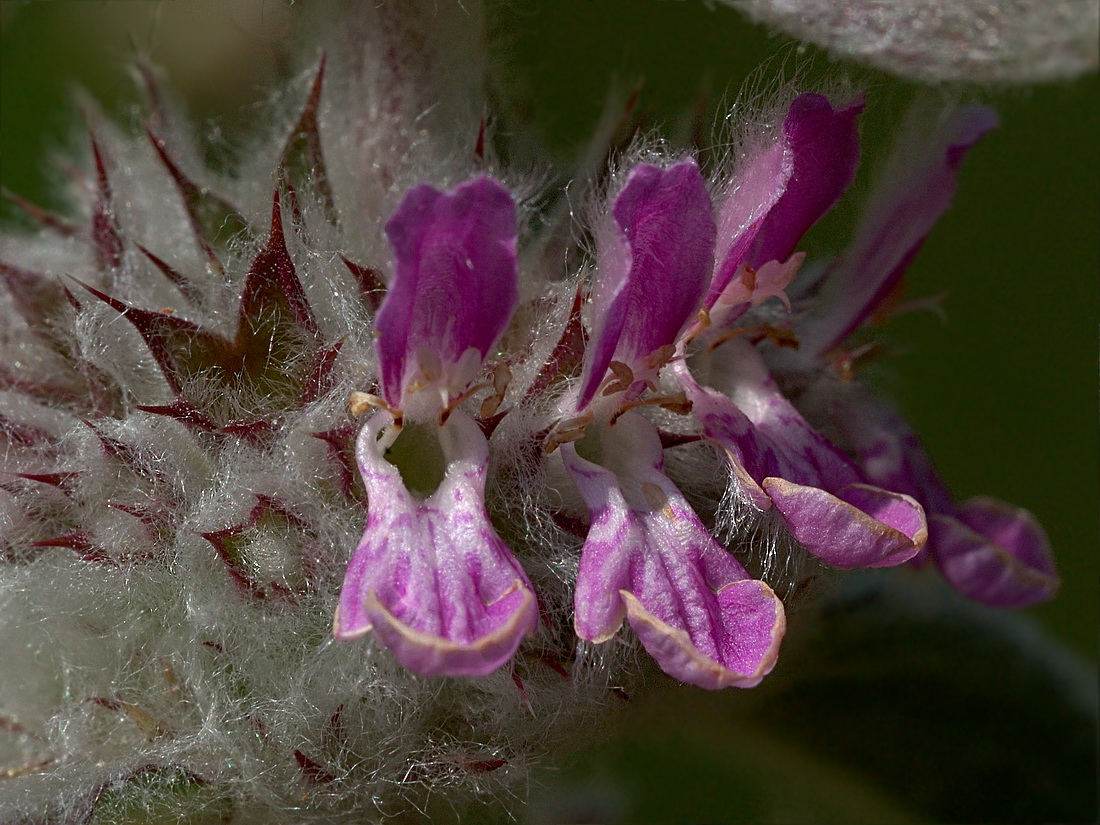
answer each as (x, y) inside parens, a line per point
(860, 526)
(604, 567)
(995, 554)
(988, 550)
(431, 655)
(749, 609)
(654, 261)
(779, 459)
(431, 577)
(454, 288)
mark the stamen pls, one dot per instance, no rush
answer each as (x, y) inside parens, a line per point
(361, 402)
(748, 277)
(566, 431)
(676, 402)
(702, 323)
(620, 381)
(660, 356)
(502, 376)
(845, 363)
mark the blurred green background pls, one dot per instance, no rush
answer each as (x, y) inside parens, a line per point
(1004, 393)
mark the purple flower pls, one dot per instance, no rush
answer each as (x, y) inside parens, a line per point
(649, 559)
(779, 460)
(911, 196)
(647, 556)
(431, 577)
(988, 550)
(674, 321)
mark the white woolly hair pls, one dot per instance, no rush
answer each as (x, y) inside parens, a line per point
(166, 597)
(137, 673)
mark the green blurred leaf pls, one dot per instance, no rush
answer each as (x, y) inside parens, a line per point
(896, 701)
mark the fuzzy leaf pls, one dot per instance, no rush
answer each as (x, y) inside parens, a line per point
(946, 40)
(371, 285)
(160, 796)
(267, 364)
(37, 296)
(181, 348)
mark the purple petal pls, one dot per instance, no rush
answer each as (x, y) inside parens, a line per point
(860, 526)
(889, 451)
(756, 186)
(648, 558)
(989, 551)
(917, 188)
(431, 577)
(604, 568)
(781, 191)
(654, 261)
(454, 289)
(778, 458)
(729, 428)
(743, 645)
(995, 554)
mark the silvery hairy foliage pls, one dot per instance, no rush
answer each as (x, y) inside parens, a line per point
(933, 41)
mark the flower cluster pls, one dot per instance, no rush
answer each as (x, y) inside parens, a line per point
(670, 324)
(649, 416)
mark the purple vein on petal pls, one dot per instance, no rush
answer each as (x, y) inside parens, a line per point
(431, 578)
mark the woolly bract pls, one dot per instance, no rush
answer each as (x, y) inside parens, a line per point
(935, 41)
